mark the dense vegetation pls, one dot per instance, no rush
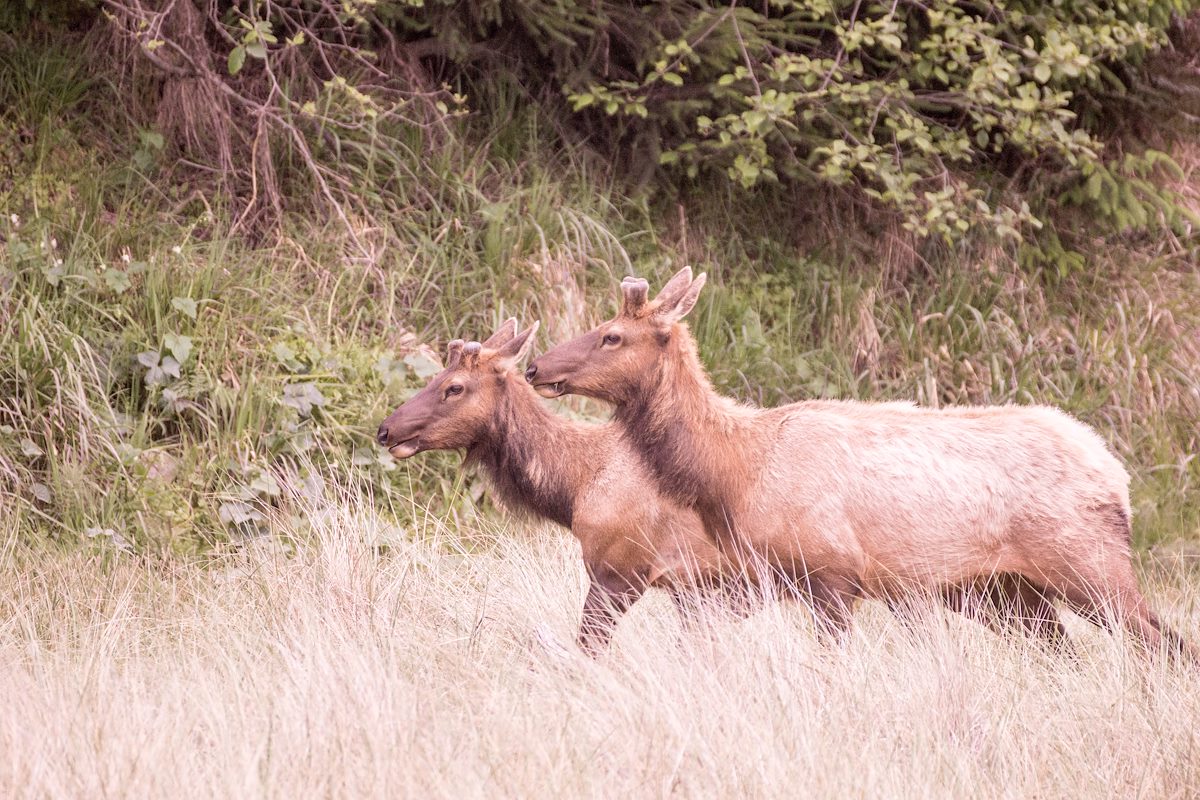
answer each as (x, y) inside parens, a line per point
(236, 233)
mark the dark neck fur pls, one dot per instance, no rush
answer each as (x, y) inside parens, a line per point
(683, 429)
(537, 461)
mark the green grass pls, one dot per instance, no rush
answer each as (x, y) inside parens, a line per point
(106, 246)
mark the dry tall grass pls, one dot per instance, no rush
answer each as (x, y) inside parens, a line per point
(324, 667)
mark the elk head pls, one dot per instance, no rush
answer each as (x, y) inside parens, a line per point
(453, 410)
(610, 361)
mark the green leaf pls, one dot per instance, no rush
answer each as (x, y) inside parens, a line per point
(170, 366)
(422, 364)
(180, 346)
(582, 101)
(116, 280)
(754, 120)
(1042, 72)
(265, 484)
(303, 397)
(184, 305)
(158, 367)
(286, 356)
(373, 456)
(257, 49)
(238, 513)
(54, 274)
(237, 57)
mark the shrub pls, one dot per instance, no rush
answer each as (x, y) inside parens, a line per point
(957, 117)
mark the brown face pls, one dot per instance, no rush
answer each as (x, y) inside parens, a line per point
(453, 410)
(610, 361)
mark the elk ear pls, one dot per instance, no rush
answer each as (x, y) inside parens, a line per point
(634, 291)
(673, 290)
(454, 352)
(515, 349)
(506, 331)
(670, 314)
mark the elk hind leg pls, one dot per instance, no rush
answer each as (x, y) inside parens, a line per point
(1006, 602)
(1032, 607)
(1128, 609)
(1108, 595)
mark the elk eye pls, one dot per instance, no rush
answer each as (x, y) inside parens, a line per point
(612, 339)
(453, 389)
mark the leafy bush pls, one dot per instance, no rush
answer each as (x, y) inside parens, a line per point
(957, 117)
(918, 106)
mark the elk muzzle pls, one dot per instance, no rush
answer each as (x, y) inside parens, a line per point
(543, 387)
(551, 373)
(399, 442)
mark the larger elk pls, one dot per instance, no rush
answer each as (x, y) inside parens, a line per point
(584, 477)
(852, 498)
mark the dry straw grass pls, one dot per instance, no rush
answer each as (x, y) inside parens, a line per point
(327, 667)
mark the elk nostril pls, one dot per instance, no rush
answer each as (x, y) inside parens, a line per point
(530, 373)
(382, 435)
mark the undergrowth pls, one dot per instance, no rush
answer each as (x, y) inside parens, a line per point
(161, 371)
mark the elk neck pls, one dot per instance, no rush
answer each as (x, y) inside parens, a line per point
(537, 461)
(696, 441)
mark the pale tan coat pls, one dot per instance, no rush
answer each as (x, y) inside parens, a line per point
(864, 498)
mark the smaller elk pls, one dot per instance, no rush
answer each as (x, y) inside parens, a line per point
(876, 499)
(584, 477)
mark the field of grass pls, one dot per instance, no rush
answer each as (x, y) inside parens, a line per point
(316, 663)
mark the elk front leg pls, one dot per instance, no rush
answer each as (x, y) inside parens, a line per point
(833, 598)
(607, 600)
